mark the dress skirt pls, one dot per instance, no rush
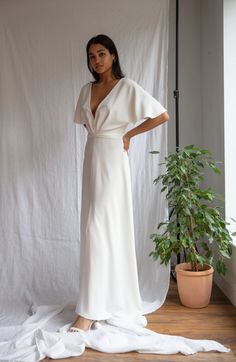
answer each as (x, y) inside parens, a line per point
(108, 284)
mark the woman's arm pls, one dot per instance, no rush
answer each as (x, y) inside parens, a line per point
(147, 125)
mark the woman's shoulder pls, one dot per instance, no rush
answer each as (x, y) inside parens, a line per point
(134, 86)
(124, 80)
(131, 84)
(84, 93)
(85, 86)
(84, 90)
(129, 81)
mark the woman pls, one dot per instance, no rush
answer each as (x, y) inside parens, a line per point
(108, 271)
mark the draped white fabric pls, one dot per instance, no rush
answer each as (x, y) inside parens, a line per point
(37, 339)
(42, 68)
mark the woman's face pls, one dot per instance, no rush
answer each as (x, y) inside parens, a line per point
(100, 59)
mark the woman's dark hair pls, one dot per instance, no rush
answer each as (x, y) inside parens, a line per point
(110, 46)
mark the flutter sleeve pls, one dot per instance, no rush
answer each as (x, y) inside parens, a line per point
(142, 105)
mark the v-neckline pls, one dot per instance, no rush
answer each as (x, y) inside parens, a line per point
(108, 94)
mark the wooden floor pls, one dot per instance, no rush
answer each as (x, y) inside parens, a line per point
(217, 321)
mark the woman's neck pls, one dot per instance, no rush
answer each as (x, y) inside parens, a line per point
(107, 78)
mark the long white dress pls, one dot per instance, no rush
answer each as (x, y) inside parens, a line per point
(108, 285)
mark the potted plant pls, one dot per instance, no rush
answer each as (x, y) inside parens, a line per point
(195, 227)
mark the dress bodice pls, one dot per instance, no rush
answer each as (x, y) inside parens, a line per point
(126, 103)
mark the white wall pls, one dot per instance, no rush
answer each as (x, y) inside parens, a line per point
(201, 86)
(229, 105)
(200, 78)
(212, 85)
(218, 135)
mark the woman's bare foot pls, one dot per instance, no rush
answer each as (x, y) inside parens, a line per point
(82, 323)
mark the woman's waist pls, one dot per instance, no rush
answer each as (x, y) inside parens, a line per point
(108, 135)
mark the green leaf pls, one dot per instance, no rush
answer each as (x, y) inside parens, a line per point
(221, 267)
(225, 253)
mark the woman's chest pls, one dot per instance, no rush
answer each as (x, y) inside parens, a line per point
(98, 95)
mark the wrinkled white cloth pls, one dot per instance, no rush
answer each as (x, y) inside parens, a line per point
(44, 334)
(42, 68)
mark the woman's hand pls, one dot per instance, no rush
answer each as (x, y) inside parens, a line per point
(126, 142)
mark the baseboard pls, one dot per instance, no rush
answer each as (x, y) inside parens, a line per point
(228, 283)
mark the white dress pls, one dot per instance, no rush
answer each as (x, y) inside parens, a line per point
(108, 285)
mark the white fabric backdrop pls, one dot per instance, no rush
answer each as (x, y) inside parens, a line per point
(42, 68)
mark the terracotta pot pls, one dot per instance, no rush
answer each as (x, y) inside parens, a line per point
(194, 287)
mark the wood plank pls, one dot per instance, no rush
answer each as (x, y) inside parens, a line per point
(217, 321)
